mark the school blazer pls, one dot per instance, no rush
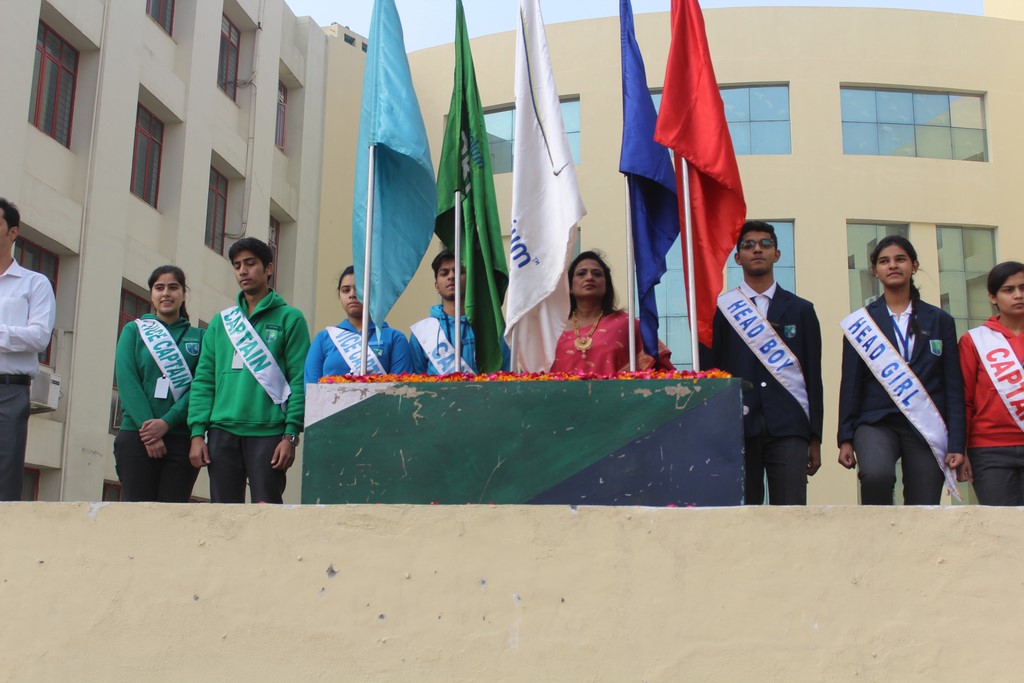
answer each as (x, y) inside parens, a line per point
(863, 400)
(782, 414)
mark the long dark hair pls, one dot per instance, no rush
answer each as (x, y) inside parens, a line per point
(350, 270)
(608, 302)
(998, 276)
(915, 293)
(179, 275)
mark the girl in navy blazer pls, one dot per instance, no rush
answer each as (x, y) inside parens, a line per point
(873, 432)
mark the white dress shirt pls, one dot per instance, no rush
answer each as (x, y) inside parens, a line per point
(762, 300)
(26, 319)
(902, 325)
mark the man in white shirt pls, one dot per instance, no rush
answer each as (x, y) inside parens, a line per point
(26, 321)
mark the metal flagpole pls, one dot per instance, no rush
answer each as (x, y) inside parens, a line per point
(691, 287)
(368, 251)
(630, 279)
(513, 359)
(458, 280)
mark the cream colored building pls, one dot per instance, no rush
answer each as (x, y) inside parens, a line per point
(805, 75)
(239, 130)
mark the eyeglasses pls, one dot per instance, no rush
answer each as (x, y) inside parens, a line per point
(766, 243)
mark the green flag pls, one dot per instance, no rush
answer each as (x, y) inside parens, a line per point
(466, 166)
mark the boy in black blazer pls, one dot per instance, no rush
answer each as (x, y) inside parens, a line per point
(782, 441)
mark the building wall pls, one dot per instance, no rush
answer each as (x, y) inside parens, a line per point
(76, 201)
(1005, 9)
(814, 51)
(346, 61)
(509, 593)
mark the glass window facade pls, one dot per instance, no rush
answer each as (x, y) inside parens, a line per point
(966, 255)
(501, 134)
(282, 113)
(758, 118)
(937, 125)
(149, 142)
(54, 74)
(162, 12)
(274, 241)
(861, 239)
(216, 211)
(133, 306)
(227, 63)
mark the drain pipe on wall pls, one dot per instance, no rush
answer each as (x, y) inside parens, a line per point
(86, 212)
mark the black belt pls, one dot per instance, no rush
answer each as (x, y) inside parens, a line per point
(24, 380)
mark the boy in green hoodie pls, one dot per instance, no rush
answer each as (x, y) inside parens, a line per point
(248, 391)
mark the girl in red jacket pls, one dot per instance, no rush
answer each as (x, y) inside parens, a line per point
(990, 359)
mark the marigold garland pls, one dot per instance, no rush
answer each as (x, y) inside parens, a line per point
(407, 377)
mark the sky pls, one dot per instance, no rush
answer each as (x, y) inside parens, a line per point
(427, 23)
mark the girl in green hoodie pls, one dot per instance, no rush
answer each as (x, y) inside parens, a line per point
(155, 362)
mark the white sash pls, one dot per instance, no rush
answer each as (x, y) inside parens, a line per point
(891, 370)
(766, 344)
(350, 346)
(1003, 369)
(255, 354)
(166, 354)
(439, 350)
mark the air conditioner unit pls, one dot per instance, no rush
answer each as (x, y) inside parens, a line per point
(45, 392)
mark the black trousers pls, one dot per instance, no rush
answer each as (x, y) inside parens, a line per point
(14, 410)
(235, 459)
(169, 479)
(998, 474)
(783, 460)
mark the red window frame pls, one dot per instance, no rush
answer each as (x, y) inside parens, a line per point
(112, 491)
(216, 211)
(132, 306)
(227, 62)
(282, 112)
(35, 475)
(274, 239)
(162, 12)
(34, 257)
(147, 188)
(56, 57)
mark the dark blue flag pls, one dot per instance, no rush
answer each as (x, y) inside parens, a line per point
(647, 166)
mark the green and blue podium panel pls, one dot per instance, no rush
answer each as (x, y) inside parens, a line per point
(587, 442)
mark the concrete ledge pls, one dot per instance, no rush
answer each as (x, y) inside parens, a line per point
(128, 592)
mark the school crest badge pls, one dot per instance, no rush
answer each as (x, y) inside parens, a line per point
(936, 347)
(272, 333)
(789, 331)
(192, 348)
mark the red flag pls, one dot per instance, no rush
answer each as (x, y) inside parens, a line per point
(692, 124)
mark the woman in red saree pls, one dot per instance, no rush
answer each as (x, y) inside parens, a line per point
(597, 338)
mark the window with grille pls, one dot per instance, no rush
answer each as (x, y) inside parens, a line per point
(149, 142)
(53, 85)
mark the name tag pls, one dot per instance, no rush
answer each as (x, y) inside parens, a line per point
(236, 362)
(163, 387)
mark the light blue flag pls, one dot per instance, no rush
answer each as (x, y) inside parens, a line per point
(405, 196)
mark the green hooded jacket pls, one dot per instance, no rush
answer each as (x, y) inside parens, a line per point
(136, 373)
(230, 398)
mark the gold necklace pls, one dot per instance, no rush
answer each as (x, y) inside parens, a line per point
(583, 343)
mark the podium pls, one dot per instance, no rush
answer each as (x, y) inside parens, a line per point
(583, 442)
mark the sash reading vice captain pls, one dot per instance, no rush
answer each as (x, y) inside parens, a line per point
(26, 321)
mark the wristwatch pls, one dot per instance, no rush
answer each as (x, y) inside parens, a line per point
(293, 439)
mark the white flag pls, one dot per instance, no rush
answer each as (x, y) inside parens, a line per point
(546, 202)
